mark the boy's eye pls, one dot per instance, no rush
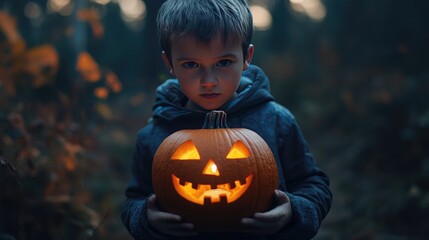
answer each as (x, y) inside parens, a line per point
(224, 63)
(189, 65)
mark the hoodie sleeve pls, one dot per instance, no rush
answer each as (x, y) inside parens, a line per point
(134, 211)
(307, 185)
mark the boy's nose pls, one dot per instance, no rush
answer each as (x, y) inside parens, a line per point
(209, 80)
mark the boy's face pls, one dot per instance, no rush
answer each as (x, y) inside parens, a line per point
(208, 74)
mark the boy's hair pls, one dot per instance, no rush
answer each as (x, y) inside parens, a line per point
(204, 20)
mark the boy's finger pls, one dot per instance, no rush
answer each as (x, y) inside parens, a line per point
(281, 197)
(168, 217)
(151, 202)
(277, 212)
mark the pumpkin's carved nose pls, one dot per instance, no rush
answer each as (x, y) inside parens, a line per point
(211, 169)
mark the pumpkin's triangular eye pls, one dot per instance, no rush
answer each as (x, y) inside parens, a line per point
(186, 151)
(238, 151)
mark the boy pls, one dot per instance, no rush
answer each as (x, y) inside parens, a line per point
(206, 46)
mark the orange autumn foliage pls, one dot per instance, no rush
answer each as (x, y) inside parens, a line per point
(88, 68)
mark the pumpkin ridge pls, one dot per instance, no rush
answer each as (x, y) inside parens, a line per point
(256, 184)
(259, 150)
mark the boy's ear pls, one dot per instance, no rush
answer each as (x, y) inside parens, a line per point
(167, 62)
(248, 58)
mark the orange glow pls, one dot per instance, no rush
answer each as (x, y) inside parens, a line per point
(204, 191)
(88, 67)
(92, 16)
(101, 92)
(211, 169)
(186, 151)
(70, 163)
(238, 151)
(113, 82)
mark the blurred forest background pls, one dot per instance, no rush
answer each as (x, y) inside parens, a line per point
(77, 81)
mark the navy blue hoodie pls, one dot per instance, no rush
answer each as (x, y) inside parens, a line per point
(254, 108)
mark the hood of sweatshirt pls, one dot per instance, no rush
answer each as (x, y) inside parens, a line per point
(254, 89)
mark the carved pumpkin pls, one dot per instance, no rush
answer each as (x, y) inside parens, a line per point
(215, 176)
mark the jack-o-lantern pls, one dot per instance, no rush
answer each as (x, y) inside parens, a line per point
(215, 176)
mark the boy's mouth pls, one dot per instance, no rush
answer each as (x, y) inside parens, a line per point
(210, 95)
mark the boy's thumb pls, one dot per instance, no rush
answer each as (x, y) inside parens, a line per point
(281, 197)
(151, 202)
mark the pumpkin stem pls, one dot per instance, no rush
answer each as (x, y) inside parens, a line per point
(215, 119)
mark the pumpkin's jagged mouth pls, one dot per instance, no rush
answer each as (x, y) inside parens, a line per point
(205, 193)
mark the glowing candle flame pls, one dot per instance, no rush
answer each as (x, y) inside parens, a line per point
(214, 168)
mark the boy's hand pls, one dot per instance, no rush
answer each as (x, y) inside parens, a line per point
(167, 223)
(272, 221)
